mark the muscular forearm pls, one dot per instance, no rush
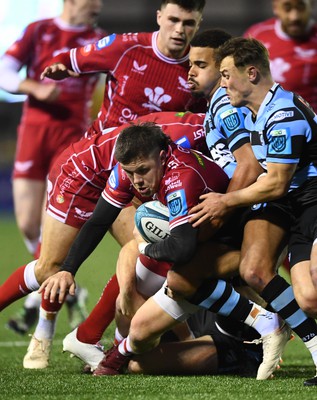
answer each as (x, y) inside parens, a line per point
(269, 187)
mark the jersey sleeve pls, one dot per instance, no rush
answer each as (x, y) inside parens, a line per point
(287, 132)
(22, 48)
(100, 56)
(118, 191)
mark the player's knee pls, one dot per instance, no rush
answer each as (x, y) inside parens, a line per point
(141, 337)
(313, 274)
(256, 274)
(307, 301)
(45, 269)
(179, 285)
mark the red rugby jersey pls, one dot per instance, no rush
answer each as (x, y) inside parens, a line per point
(140, 78)
(293, 62)
(39, 42)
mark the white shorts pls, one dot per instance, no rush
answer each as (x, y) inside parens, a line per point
(179, 310)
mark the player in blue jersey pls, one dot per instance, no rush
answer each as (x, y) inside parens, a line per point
(281, 199)
(227, 139)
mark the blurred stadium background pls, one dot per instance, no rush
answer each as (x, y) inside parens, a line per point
(117, 16)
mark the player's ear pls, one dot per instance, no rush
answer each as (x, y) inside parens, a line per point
(253, 74)
(163, 157)
(158, 17)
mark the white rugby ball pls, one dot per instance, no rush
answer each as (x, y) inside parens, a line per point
(151, 219)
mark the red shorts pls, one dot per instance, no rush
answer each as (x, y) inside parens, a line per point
(38, 146)
(71, 199)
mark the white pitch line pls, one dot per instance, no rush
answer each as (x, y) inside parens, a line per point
(23, 343)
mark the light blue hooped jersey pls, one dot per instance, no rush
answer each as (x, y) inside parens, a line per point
(285, 131)
(225, 130)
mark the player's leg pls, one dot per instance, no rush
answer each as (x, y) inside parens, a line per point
(191, 357)
(29, 197)
(262, 243)
(82, 341)
(57, 239)
(211, 260)
(161, 312)
(303, 287)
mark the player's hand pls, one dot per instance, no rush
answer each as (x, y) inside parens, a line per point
(130, 302)
(212, 209)
(58, 286)
(58, 72)
(47, 92)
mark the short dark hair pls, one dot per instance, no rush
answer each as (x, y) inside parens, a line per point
(189, 5)
(140, 141)
(212, 38)
(245, 51)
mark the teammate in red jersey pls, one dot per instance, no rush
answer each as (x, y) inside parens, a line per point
(74, 185)
(146, 72)
(54, 115)
(291, 39)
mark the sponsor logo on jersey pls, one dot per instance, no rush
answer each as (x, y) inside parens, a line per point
(177, 204)
(106, 41)
(83, 214)
(23, 166)
(85, 51)
(60, 199)
(231, 119)
(139, 68)
(113, 180)
(280, 115)
(258, 206)
(156, 98)
(199, 159)
(130, 37)
(173, 178)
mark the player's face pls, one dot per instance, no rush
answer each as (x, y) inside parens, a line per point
(177, 28)
(146, 173)
(203, 76)
(86, 11)
(294, 16)
(236, 82)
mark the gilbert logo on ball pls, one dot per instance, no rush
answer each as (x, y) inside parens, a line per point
(152, 221)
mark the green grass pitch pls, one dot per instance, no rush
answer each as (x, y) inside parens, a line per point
(64, 380)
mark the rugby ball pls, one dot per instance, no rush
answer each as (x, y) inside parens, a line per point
(152, 221)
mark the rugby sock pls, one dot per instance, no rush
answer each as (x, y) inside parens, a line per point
(117, 337)
(91, 330)
(18, 285)
(33, 300)
(46, 325)
(220, 297)
(125, 347)
(280, 296)
(31, 245)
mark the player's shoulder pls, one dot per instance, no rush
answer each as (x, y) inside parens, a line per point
(40, 24)
(260, 28)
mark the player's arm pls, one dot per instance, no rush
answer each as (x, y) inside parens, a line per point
(87, 240)
(247, 170)
(12, 82)
(271, 186)
(178, 248)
